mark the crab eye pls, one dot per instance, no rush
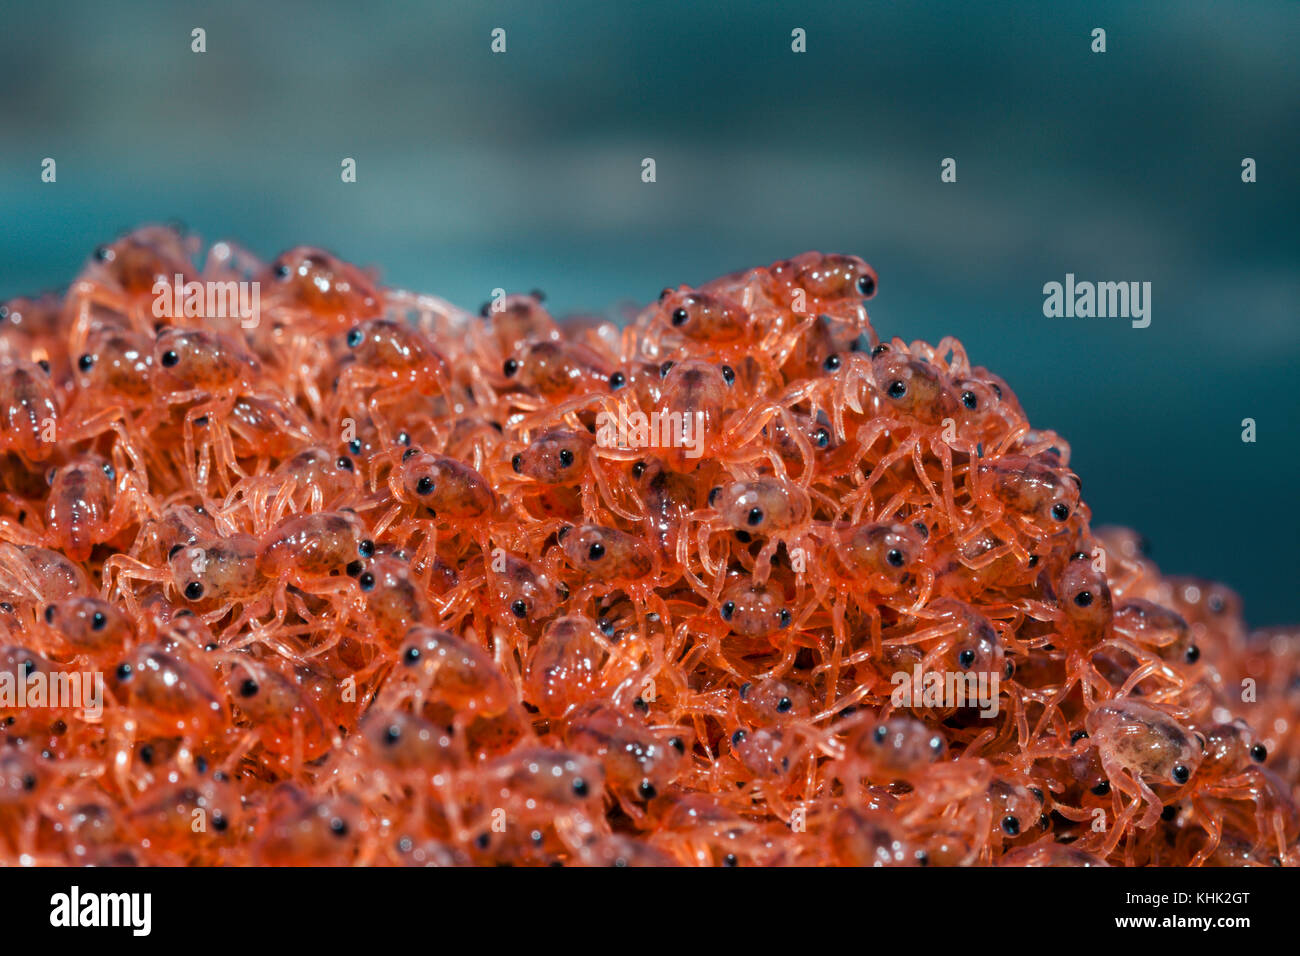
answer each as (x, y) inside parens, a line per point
(897, 388)
(866, 286)
(1259, 753)
(783, 705)
(1010, 826)
(86, 362)
(895, 557)
(727, 610)
(580, 787)
(728, 375)
(566, 457)
(966, 658)
(248, 688)
(969, 400)
(880, 734)
(366, 581)
(755, 516)
(124, 672)
(1083, 598)
(1181, 774)
(596, 551)
(510, 367)
(366, 548)
(98, 622)
(355, 446)
(664, 369)
(411, 656)
(519, 609)
(680, 316)
(821, 438)
(517, 463)
(344, 463)
(424, 486)
(283, 272)
(617, 381)
(111, 472)
(784, 617)
(832, 363)
(170, 358)
(104, 254)
(355, 338)
(1060, 511)
(194, 590)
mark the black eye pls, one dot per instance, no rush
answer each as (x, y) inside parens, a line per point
(730, 860)
(895, 557)
(617, 381)
(563, 532)
(344, 463)
(897, 388)
(248, 688)
(355, 338)
(966, 658)
(832, 363)
(727, 610)
(1010, 826)
(1215, 604)
(98, 622)
(1193, 654)
(566, 458)
(354, 446)
(354, 568)
(366, 581)
(866, 286)
(755, 516)
(517, 463)
(783, 705)
(170, 358)
(519, 609)
(713, 495)
(404, 439)
(366, 548)
(596, 551)
(728, 375)
(1083, 598)
(86, 362)
(219, 823)
(677, 744)
(510, 367)
(580, 787)
(1060, 511)
(784, 617)
(1181, 774)
(663, 369)
(638, 469)
(194, 590)
(282, 271)
(411, 656)
(882, 347)
(738, 737)
(124, 671)
(49, 614)
(1259, 753)
(103, 254)
(881, 733)
(821, 438)
(680, 316)
(969, 400)
(338, 827)
(424, 485)
(45, 365)
(647, 790)
(606, 626)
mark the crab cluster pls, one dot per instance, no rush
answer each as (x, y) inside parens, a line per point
(368, 579)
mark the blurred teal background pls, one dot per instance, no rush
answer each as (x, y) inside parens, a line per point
(522, 170)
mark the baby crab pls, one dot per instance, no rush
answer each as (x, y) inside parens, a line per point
(1142, 748)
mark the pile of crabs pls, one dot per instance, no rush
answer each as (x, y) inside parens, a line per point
(296, 568)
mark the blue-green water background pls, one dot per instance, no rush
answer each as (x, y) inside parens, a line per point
(522, 170)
